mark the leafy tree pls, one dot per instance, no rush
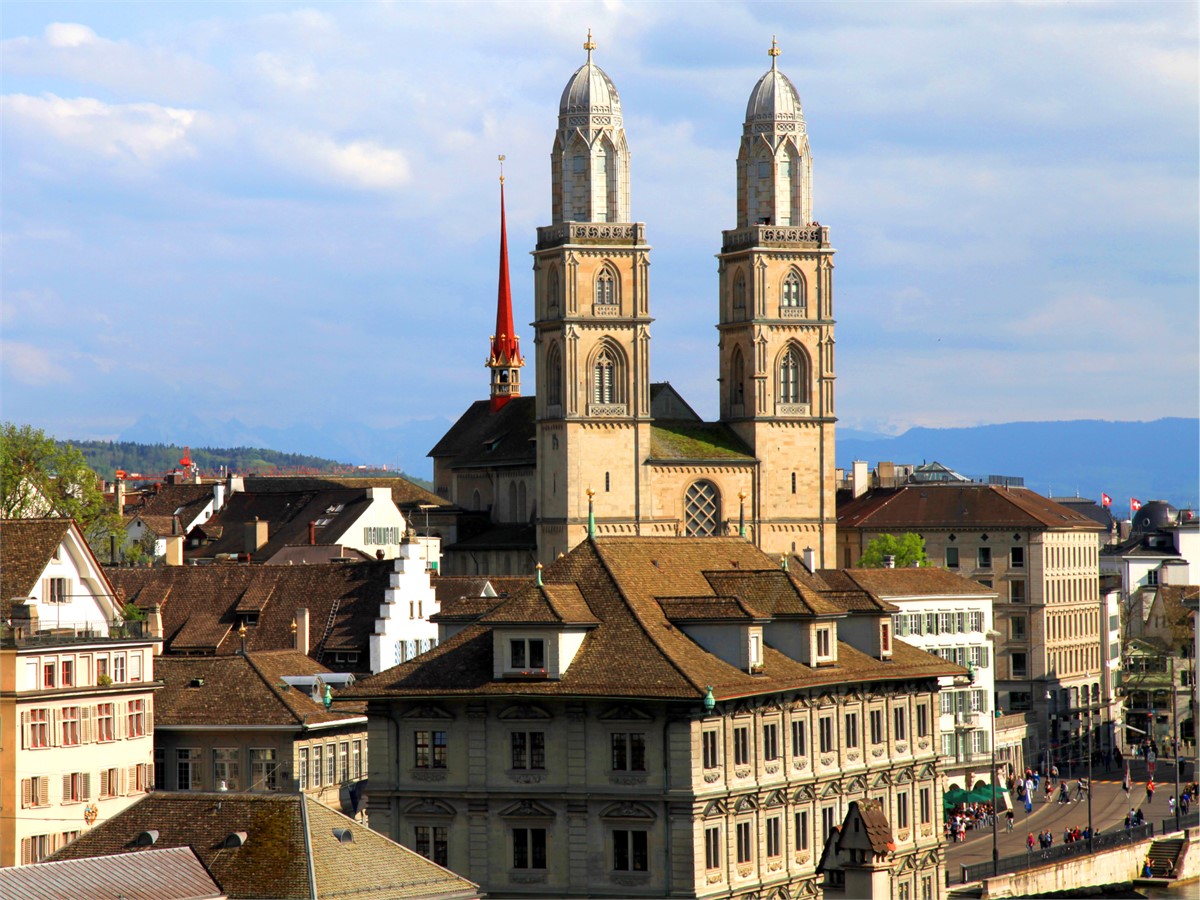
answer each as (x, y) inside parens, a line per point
(908, 549)
(40, 477)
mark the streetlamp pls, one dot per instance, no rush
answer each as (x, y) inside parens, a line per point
(991, 636)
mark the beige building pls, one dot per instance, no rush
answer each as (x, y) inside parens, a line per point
(659, 716)
(1042, 559)
(600, 442)
(76, 692)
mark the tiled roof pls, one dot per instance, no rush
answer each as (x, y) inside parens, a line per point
(287, 516)
(239, 691)
(550, 604)
(451, 587)
(881, 585)
(161, 526)
(774, 591)
(275, 859)
(879, 830)
(481, 437)
(957, 506)
(315, 555)
(169, 498)
(405, 493)
(26, 546)
(685, 441)
(622, 580)
(199, 603)
(174, 873)
(709, 609)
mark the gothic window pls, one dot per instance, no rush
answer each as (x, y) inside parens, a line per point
(554, 378)
(603, 370)
(701, 509)
(793, 292)
(606, 288)
(476, 501)
(739, 296)
(552, 290)
(792, 377)
(737, 387)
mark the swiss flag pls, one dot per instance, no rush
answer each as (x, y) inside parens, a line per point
(1105, 500)
(1135, 504)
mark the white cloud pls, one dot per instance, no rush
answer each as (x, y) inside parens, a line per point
(69, 34)
(361, 164)
(30, 365)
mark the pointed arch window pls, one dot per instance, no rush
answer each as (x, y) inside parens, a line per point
(793, 377)
(737, 387)
(552, 289)
(701, 509)
(739, 296)
(792, 298)
(603, 370)
(554, 377)
(606, 287)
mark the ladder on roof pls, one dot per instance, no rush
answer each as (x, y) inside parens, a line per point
(319, 653)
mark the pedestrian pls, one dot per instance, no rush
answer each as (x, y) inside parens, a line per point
(1029, 843)
(1049, 791)
(1170, 806)
(1117, 758)
(1053, 774)
(1008, 820)
(1037, 777)
(1150, 791)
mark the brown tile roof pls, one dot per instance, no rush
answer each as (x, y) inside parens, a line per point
(879, 830)
(405, 494)
(275, 860)
(240, 690)
(175, 873)
(957, 506)
(709, 609)
(199, 603)
(483, 438)
(885, 584)
(170, 498)
(622, 580)
(26, 546)
(315, 555)
(774, 591)
(161, 526)
(550, 604)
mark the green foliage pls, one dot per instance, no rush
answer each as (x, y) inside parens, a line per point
(40, 477)
(908, 549)
(131, 612)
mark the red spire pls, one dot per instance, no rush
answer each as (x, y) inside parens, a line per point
(506, 346)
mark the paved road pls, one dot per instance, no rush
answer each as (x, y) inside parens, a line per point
(1109, 806)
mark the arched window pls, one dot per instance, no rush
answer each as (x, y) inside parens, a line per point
(793, 292)
(701, 509)
(793, 377)
(552, 290)
(476, 501)
(554, 377)
(606, 287)
(737, 371)
(739, 296)
(602, 378)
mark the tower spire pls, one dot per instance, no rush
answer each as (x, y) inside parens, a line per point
(774, 53)
(505, 359)
(589, 45)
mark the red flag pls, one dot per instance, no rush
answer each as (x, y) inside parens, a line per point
(1105, 500)
(1135, 504)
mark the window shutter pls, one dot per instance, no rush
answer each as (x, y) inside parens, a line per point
(66, 794)
(85, 786)
(105, 787)
(44, 790)
(86, 727)
(150, 717)
(26, 851)
(26, 792)
(55, 724)
(26, 736)
(131, 779)
(118, 721)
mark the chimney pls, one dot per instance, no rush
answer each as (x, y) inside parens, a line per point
(236, 484)
(256, 535)
(218, 496)
(174, 551)
(154, 621)
(119, 494)
(859, 478)
(810, 559)
(301, 637)
(25, 618)
(312, 532)
(889, 562)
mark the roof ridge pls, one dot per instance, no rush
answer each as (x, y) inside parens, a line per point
(285, 702)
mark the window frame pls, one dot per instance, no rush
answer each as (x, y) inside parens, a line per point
(532, 750)
(628, 751)
(630, 850)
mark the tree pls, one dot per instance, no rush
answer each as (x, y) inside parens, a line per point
(908, 550)
(40, 477)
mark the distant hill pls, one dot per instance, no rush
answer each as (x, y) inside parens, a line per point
(105, 457)
(1155, 460)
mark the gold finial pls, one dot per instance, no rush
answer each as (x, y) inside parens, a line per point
(589, 45)
(774, 51)
(590, 493)
(501, 158)
(293, 627)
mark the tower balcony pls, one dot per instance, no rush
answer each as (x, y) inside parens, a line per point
(598, 233)
(771, 235)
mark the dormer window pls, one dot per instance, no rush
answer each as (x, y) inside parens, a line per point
(824, 644)
(885, 638)
(527, 654)
(755, 652)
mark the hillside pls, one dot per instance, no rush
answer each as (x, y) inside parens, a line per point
(1148, 460)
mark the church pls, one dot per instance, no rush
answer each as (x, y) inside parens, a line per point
(600, 448)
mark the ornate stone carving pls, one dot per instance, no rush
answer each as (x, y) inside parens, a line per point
(771, 768)
(745, 871)
(429, 775)
(923, 744)
(827, 760)
(901, 747)
(607, 410)
(526, 777)
(878, 752)
(606, 310)
(793, 312)
(800, 762)
(627, 779)
(741, 772)
(715, 878)
(902, 834)
(791, 409)
(523, 878)
(712, 777)
(852, 756)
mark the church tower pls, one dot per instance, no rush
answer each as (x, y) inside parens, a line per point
(591, 301)
(505, 358)
(776, 326)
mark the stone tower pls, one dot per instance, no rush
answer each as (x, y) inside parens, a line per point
(776, 326)
(592, 327)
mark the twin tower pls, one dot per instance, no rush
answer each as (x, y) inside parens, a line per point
(608, 437)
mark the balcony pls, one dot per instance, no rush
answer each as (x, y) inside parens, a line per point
(64, 635)
(759, 235)
(631, 233)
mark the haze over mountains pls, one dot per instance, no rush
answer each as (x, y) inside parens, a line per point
(1154, 460)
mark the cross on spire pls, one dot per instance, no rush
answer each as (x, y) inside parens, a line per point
(501, 158)
(774, 51)
(589, 45)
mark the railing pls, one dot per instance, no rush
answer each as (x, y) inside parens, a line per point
(1191, 820)
(1038, 857)
(756, 235)
(88, 632)
(591, 232)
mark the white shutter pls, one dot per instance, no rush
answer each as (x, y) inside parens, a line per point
(86, 726)
(85, 786)
(55, 720)
(26, 731)
(26, 793)
(131, 779)
(44, 790)
(26, 851)
(105, 787)
(150, 716)
(118, 721)
(66, 794)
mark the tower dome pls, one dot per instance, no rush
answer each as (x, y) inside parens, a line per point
(590, 159)
(774, 165)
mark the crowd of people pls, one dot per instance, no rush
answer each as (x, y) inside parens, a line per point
(968, 815)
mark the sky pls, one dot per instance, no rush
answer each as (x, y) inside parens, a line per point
(286, 214)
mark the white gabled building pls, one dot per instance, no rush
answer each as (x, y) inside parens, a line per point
(76, 692)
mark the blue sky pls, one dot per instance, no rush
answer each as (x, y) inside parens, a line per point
(286, 214)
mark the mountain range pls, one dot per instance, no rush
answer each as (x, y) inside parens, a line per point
(1156, 460)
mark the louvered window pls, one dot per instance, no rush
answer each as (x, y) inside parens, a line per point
(701, 509)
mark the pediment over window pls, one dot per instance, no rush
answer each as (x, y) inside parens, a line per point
(772, 706)
(928, 771)
(855, 694)
(833, 789)
(805, 793)
(857, 785)
(525, 711)
(882, 780)
(929, 860)
(429, 807)
(908, 864)
(904, 776)
(625, 713)
(426, 711)
(714, 809)
(742, 708)
(800, 703)
(808, 889)
(746, 804)
(776, 798)
(627, 809)
(527, 809)
(826, 699)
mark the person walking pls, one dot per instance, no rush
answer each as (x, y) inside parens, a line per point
(1008, 820)
(1029, 843)
(1150, 791)
(1171, 806)
(1053, 774)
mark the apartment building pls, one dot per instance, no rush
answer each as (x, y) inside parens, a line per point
(654, 716)
(77, 691)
